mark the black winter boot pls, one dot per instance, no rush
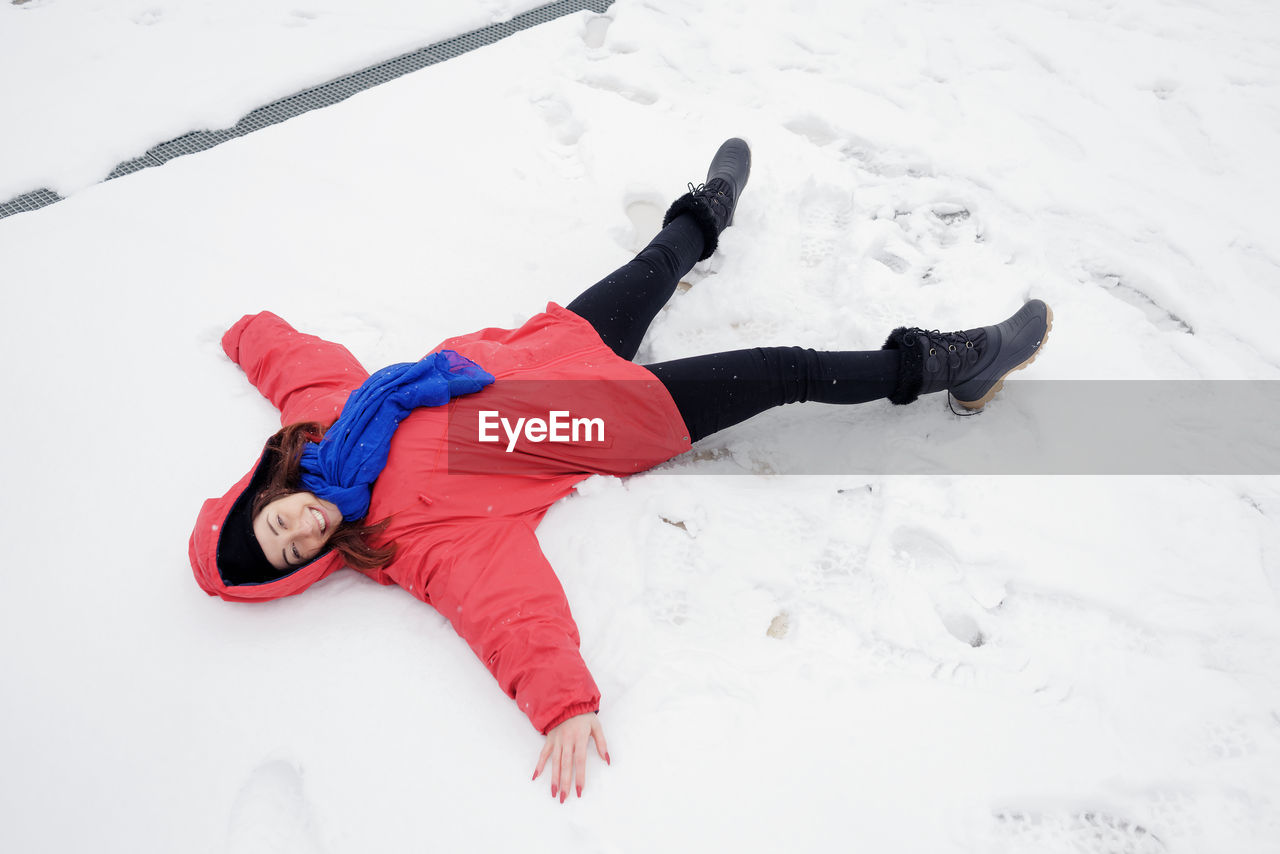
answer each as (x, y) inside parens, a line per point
(712, 203)
(971, 364)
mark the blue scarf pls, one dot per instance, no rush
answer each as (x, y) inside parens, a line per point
(343, 466)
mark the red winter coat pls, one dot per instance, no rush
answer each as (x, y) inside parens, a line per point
(463, 512)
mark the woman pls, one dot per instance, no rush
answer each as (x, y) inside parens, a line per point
(496, 426)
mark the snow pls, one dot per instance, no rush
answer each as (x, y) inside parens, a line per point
(93, 85)
(899, 662)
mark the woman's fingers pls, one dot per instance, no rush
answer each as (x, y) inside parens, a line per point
(556, 759)
(542, 759)
(566, 770)
(566, 751)
(597, 733)
(580, 760)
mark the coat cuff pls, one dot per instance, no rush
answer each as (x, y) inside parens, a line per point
(231, 338)
(572, 711)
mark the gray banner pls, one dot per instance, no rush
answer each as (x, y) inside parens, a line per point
(1118, 427)
(1073, 427)
(1053, 428)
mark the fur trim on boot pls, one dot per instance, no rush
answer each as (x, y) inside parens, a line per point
(970, 364)
(712, 204)
(705, 217)
(911, 369)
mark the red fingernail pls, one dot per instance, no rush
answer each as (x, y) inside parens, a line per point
(553, 791)
(579, 791)
(562, 796)
(606, 759)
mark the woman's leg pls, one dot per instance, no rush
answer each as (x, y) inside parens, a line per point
(722, 389)
(623, 304)
(717, 391)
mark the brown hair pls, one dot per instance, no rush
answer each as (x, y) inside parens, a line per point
(352, 539)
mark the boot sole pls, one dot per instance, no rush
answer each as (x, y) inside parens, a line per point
(982, 401)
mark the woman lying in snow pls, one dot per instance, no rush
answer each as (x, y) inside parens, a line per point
(455, 459)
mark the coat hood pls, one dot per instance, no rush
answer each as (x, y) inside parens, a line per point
(222, 529)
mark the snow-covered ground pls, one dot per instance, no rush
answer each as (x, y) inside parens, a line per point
(890, 662)
(88, 86)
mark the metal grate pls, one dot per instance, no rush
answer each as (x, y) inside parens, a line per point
(28, 202)
(324, 95)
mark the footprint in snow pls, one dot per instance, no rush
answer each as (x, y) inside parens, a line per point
(818, 132)
(958, 606)
(596, 32)
(593, 34)
(300, 18)
(609, 83)
(1123, 289)
(271, 814)
(1098, 832)
(949, 213)
(645, 215)
(894, 262)
(826, 214)
(814, 129)
(559, 117)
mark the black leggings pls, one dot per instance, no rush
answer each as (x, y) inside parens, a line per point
(719, 390)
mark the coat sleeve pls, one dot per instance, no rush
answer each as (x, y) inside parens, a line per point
(492, 582)
(306, 377)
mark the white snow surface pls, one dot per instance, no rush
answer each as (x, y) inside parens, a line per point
(90, 85)
(956, 664)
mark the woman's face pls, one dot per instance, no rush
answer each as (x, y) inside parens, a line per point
(294, 528)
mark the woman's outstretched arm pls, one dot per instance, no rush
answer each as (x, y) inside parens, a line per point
(490, 579)
(306, 377)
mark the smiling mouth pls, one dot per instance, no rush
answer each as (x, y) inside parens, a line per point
(320, 519)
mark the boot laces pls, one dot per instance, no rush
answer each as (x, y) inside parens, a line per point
(950, 344)
(707, 191)
(717, 196)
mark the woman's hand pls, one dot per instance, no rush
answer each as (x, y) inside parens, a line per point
(566, 747)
